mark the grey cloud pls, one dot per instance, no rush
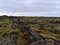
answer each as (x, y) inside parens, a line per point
(30, 5)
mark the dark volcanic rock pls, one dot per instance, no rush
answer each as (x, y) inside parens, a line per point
(26, 27)
(38, 42)
(7, 42)
(14, 35)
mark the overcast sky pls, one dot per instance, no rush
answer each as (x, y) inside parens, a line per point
(30, 7)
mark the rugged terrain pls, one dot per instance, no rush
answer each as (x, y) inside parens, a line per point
(29, 30)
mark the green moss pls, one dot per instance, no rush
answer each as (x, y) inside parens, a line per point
(6, 29)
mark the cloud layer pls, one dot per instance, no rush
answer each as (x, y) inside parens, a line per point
(49, 7)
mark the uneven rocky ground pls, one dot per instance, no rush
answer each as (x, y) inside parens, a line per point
(29, 30)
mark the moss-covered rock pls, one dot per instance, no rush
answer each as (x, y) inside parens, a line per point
(30, 30)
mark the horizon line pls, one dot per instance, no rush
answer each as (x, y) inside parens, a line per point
(28, 14)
